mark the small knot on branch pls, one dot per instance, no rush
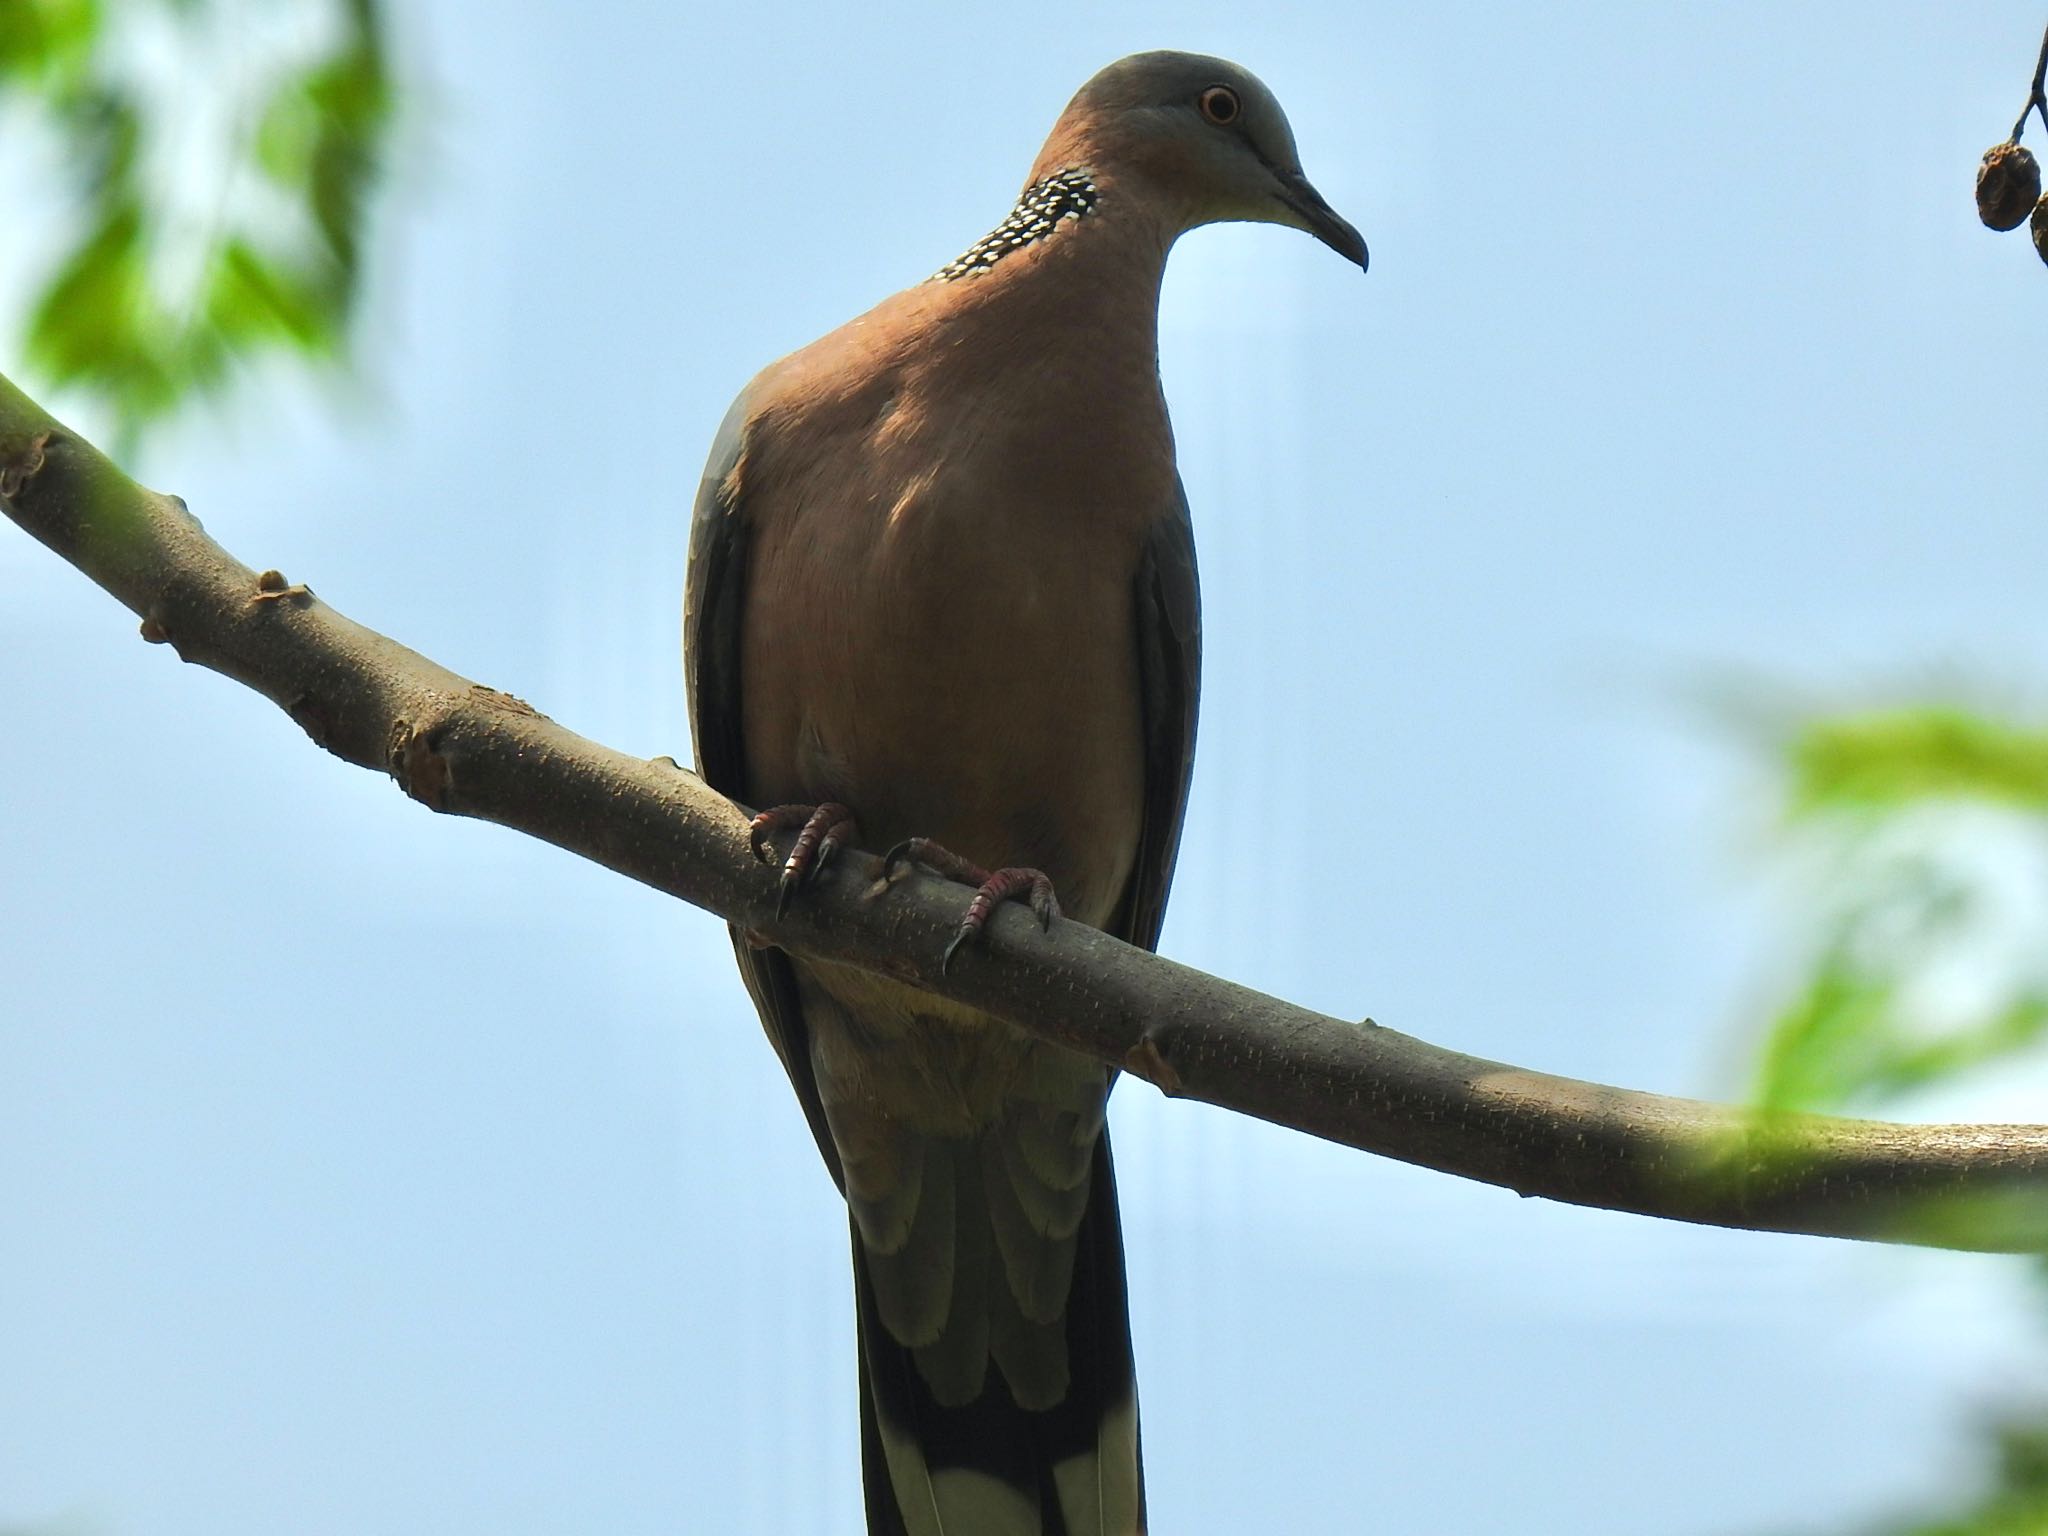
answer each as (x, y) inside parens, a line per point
(18, 473)
(313, 718)
(1146, 1060)
(271, 587)
(420, 769)
(511, 703)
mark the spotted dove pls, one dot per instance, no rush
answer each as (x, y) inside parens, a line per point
(942, 584)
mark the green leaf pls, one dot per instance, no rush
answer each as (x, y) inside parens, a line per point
(45, 39)
(251, 300)
(1825, 1045)
(1887, 759)
(95, 324)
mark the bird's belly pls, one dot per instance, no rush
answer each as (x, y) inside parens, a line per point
(1000, 718)
(992, 708)
(1017, 756)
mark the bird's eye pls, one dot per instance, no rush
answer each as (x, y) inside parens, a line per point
(1219, 105)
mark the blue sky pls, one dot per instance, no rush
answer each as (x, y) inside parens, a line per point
(362, 1170)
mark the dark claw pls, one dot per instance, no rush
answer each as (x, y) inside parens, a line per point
(825, 830)
(774, 819)
(1004, 885)
(1044, 903)
(831, 845)
(966, 932)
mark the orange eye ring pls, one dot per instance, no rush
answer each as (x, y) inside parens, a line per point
(1220, 105)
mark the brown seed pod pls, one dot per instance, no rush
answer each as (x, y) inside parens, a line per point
(2038, 228)
(2008, 183)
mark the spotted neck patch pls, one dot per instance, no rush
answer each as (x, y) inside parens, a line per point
(1045, 205)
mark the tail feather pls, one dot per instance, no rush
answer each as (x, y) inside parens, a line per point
(939, 1463)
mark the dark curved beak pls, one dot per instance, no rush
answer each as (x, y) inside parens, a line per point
(1319, 218)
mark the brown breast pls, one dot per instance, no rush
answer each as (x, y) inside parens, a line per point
(949, 498)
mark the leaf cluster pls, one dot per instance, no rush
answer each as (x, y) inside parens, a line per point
(279, 272)
(1919, 815)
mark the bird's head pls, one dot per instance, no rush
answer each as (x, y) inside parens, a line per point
(1203, 136)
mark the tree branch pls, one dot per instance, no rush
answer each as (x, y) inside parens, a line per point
(461, 748)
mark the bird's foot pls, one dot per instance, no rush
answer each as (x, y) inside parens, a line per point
(1033, 887)
(825, 829)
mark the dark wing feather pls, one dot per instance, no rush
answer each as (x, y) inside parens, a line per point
(714, 607)
(714, 595)
(1169, 611)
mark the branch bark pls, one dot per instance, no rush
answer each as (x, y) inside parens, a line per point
(465, 749)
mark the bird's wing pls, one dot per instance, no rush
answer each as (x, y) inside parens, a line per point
(714, 601)
(1169, 635)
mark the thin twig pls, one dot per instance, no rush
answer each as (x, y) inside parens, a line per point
(2036, 100)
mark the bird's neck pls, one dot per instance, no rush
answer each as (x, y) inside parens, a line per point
(1049, 322)
(1079, 254)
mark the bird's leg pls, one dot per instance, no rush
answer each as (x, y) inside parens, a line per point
(992, 888)
(825, 830)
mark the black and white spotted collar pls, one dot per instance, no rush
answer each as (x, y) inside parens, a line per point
(1045, 205)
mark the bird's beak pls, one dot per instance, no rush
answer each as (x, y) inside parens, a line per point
(1317, 217)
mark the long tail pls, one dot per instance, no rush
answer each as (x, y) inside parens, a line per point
(989, 1466)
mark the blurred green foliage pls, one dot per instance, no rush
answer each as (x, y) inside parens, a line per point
(1925, 836)
(1901, 805)
(1891, 759)
(277, 269)
(2015, 1499)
